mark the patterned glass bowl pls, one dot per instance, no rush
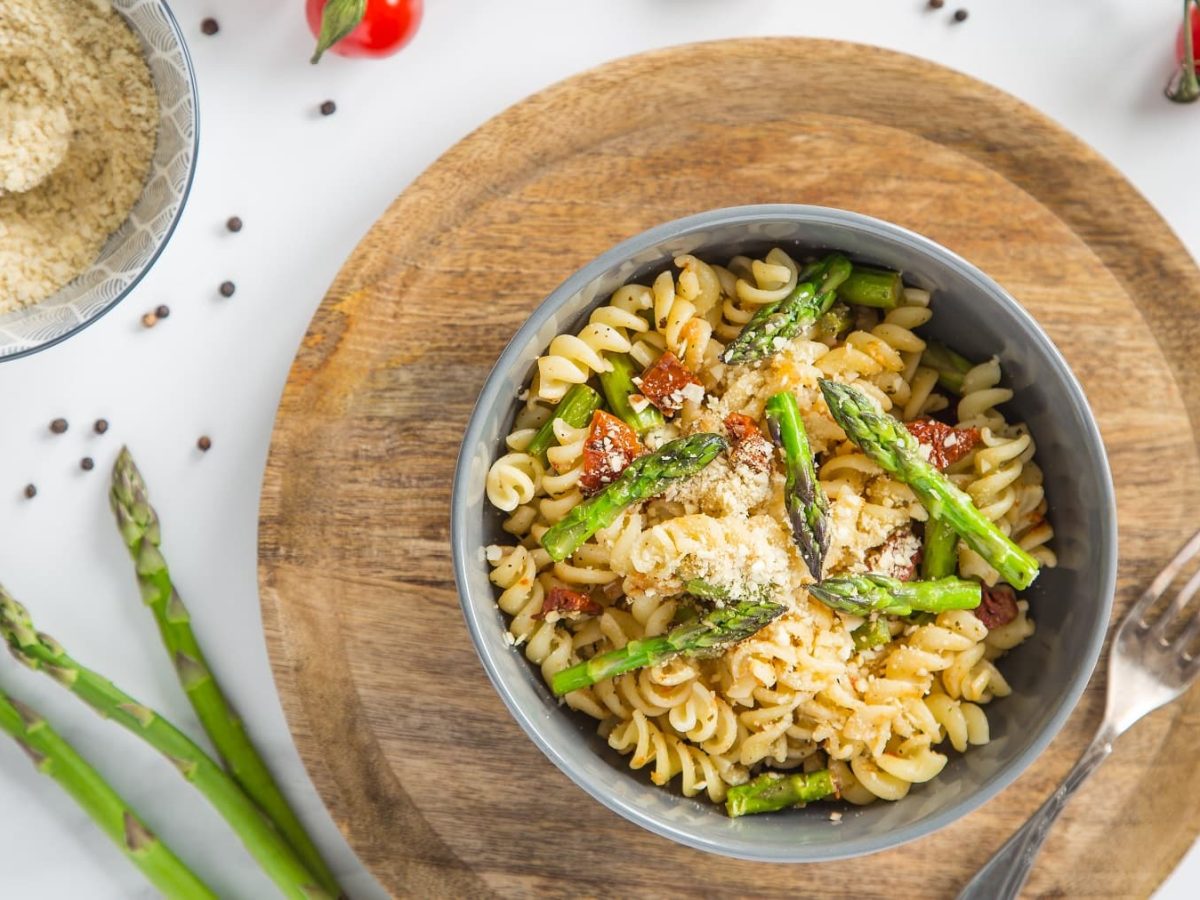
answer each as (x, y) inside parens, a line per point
(130, 252)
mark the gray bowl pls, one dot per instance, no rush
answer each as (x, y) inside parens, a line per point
(1070, 603)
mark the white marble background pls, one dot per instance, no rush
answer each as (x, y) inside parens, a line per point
(307, 188)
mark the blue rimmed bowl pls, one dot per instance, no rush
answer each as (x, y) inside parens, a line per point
(133, 248)
(1070, 603)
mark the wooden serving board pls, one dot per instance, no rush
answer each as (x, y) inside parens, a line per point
(434, 785)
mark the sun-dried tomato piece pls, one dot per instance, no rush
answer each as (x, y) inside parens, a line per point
(898, 556)
(564, 600)
(998, 607)
(668, 382)
(946, 445)
(751, 448)
(610, 446)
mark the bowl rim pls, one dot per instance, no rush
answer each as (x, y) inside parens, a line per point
(183, 199)
(489, 395)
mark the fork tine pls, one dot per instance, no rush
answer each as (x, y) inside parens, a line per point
(1171, 614)
(1187, 638)
(1163, 580)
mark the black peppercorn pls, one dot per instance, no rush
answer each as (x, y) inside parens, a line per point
(31, 491)
(960, 15)
(210, 26)
(87, 464)
(101, 426)
(205, 443)
(227, 288)
(234, 224)
(936, 4)
(163, 311)
(58, 426)
(328, 108)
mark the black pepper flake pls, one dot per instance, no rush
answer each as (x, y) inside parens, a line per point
(31, 491)
(87, 464)
(101, 426)
(210, 26)
(163, 311)
(227, 288)
(58, 426)
(234, 224)
(328, 108)
(960, 15)
(204, 443)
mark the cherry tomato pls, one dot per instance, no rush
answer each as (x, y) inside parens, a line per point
(386, 26)
(1180, 51)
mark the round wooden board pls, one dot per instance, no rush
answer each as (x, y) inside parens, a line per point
(435, 787)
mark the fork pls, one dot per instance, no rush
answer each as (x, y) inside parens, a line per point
(1146, 670)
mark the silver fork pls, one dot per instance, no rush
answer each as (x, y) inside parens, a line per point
(1146, 670)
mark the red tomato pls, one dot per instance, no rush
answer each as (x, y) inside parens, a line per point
(386, 26)
(1180, 50)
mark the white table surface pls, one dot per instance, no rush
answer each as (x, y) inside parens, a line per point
(307, 188)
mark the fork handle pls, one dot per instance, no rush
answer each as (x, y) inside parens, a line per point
(1006, 871)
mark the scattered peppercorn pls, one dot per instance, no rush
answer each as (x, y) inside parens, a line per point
(227, 288)
(87, 464)
(31, 491)
(234, 224)
(960, 15)
(328, 108)
(101, 426)
(58, 426)
(149, 320)
(163, 311)
(205, 444)
(210, 26)
(936, 4)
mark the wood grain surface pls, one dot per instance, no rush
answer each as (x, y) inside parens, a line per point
(436, 788)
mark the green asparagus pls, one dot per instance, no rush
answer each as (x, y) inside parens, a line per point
(575, 408)
(868, 286)
(836, 322)
(41, 652)
(645, 477)
(712, 632)
(54, 757)
(889, 445)
(862, 595)
(940, 554)
(618, 386)
(770, 328)
(705, 590)
(807, 506)
(949, 365)
(140, 529)
(871, 633)
(773, 791)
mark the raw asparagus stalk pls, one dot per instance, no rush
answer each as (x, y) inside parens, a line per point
(711, 632)
(54, 757)
(807, 506)
(889, 445)
(41, 652)
(862, 595)
(769, 328)
(949, 365)
(618, 385)
(139, 527)
(645, 477)
(575, 408)
(773, 791)
(940, 554)
(872, 633)
(868, 286)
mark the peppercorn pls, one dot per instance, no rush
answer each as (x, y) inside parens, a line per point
(87, 464)
(101, 426)
(31, 491)
(149, 320)
(227, 288)
(936, 4)
(210, 27)
(234, 224)
(58, 426)
(328, 108)
(960, 15)
(163, 311)
(205, 443)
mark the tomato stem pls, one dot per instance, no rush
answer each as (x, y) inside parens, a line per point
(338, 19)
(1185, 87)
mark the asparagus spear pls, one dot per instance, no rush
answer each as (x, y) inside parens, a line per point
(872, 633)
(939, 557)
(618, 385)
(839, 319)
(54, 757)
(266, 845)
(889, 444)
(645, 477)
(139, 527)
(862, 595)
(575, 408)
(950, 366)
(705, 590)
(807, 506)
(711, 632)
(868, 286)
(773, 791)
(772, 325)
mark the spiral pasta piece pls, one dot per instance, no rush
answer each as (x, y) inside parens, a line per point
(671, 756)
